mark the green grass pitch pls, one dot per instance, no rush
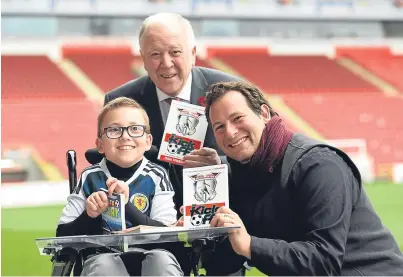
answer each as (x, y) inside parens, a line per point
(20, 226)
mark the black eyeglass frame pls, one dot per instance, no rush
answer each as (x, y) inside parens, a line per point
(123, 130)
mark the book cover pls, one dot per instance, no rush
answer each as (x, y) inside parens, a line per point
(205, 189)
(114, 218)
(184, 132)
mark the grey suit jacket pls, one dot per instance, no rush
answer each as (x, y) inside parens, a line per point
(144, 92)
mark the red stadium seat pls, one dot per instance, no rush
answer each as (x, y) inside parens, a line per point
(51, 127)
(108, 71)
(35, 77)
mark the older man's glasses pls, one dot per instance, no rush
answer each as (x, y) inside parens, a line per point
(135, 131)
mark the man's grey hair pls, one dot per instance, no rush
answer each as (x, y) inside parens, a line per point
(168, 20)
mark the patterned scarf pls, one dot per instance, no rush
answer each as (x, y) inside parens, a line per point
(272, 146)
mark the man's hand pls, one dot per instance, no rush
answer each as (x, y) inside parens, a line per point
(117, 186)
(96, 204)
(239, 238)
(202, 157)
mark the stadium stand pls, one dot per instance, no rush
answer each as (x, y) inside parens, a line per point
(290, 74)
(107, 70)
(380, 61)
(355, 115)
(313, 92)
(28, 77)
(52, 127)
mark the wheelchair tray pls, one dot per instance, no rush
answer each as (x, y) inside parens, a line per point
(49, 246)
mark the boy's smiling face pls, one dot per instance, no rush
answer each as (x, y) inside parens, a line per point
(126, 150)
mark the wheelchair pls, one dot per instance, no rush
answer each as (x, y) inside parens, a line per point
(68, 260)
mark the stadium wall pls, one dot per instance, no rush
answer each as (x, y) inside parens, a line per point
(34, 194)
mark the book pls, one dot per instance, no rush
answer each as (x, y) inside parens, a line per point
(150, 229)
(114, 218)
(205, 190)
(154, 232)
(184, 132)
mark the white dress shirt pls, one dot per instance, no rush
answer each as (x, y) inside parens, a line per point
(184, 94)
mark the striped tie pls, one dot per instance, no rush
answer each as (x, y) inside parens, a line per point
(169, 100)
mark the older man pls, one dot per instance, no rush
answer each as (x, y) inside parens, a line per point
(300, 203)
(168, 49)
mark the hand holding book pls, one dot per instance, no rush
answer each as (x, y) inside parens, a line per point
(114, 215)
(117, 186)
(201, 157)
(96, 204)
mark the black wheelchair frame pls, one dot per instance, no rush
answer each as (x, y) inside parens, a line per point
(68, 260)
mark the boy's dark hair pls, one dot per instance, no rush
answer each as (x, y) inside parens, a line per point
(252, 94)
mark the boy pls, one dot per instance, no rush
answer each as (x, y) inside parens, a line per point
(123, 137)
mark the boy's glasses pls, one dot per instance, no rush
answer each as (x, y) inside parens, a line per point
(135, 131)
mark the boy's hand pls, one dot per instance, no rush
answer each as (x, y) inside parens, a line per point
(115, 185)
(202, 157)
(96, 204)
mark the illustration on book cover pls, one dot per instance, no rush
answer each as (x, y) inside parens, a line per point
(205, 189)
(114, 217)
(184, 132)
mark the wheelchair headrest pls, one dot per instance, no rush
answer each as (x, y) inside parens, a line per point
(93, 156)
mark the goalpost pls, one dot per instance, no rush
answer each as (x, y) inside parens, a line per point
(356, 149)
